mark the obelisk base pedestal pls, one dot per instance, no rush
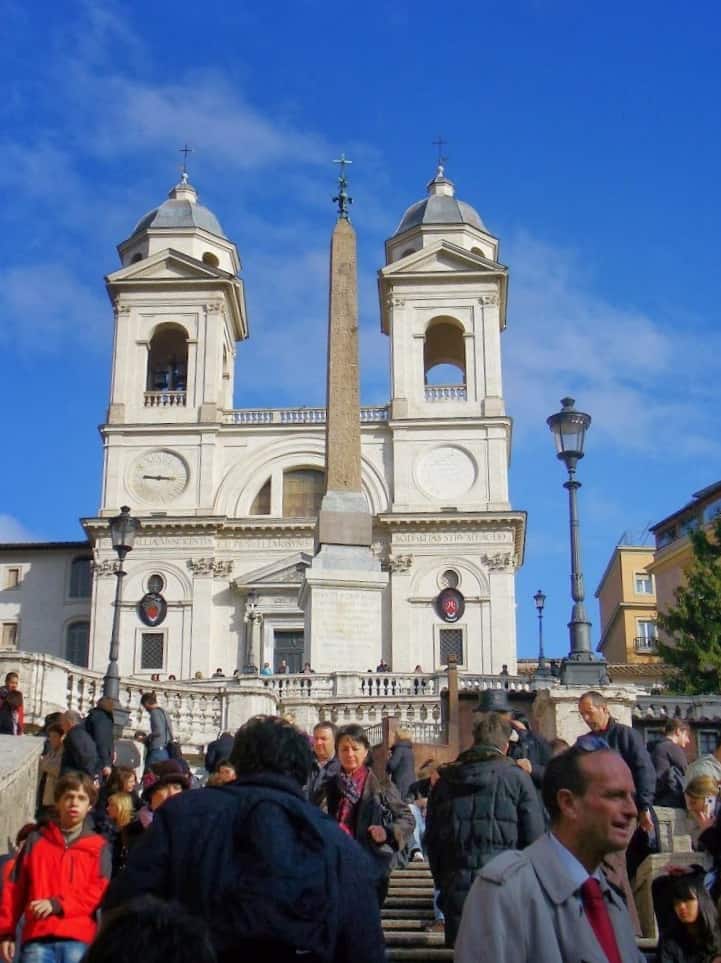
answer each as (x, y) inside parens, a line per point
(342, 602)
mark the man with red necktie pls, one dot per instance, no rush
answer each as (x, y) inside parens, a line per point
(551, 903)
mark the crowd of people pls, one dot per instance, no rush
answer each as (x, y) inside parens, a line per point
(286, 846)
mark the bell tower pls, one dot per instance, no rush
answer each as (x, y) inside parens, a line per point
(179, 311)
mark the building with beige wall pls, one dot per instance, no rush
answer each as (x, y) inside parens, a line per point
(674, 552)
(627, 603)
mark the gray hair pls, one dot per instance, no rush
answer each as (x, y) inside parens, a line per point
(492, 729)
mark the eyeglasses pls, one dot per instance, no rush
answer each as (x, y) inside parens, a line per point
(590, 742)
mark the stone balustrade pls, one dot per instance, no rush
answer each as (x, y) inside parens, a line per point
(695, 708)
(296, 416)
(199, 709)
(165, 399)
(446, 393)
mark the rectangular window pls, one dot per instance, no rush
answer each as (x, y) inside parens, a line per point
(9, 635)
(151, 654)
(643, 583)
(80, 578)
(646, 634)
(12, 578)
(451, 645)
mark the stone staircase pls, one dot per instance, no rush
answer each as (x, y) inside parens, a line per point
(407, 909)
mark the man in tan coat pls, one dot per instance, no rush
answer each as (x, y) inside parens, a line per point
(551, 903)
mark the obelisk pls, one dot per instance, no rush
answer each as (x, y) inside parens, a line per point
(342, 593)
(344, 516)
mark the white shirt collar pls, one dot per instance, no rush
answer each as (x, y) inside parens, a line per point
(576, 871)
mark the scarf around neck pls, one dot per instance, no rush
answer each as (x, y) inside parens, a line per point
(351, 787)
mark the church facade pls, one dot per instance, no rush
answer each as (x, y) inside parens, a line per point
(228, 497)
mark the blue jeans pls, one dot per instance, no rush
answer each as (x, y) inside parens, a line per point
(63, 951)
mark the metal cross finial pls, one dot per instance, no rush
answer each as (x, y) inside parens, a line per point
(342, 199)
(440, 144)
(185, 150)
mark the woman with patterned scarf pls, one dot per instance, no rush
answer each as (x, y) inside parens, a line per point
(373, 814)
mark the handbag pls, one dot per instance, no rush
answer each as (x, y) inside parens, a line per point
(173, 747)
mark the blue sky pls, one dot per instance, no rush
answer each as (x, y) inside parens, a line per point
(587, 136)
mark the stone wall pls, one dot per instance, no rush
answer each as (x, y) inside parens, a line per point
(18, 784)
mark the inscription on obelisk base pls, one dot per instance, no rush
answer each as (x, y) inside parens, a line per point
(343, 591)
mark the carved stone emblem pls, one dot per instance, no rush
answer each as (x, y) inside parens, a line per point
(210, 566)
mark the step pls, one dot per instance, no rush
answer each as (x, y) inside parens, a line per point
(408, 902)
(402, 891)
(415, 880)
(406, 938)
(413, 869)
(420, 954)
(411, 924)
(407, 914)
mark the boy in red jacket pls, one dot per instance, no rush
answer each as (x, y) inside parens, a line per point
(58, 882)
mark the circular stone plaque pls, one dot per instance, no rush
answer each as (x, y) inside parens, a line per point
(445, 472)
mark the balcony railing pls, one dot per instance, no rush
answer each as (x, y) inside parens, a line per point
(165, 399)
(297, 416)
(446, 393)
(644, 643)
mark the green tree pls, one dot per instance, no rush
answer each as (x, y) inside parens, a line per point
(693, 625)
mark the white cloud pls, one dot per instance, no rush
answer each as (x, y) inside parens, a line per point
(629, 370)
(12, 530)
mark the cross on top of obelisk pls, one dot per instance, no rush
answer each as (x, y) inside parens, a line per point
(342, 198)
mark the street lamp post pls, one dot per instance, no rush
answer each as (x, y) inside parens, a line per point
(543, 671)
(581, 666)
(123, 529)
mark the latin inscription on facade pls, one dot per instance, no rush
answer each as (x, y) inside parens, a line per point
(452, 538)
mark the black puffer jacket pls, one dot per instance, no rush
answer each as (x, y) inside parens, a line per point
(274, 878)
(400, 766)
(482, 805)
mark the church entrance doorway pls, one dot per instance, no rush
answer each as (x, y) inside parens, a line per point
(288, 644)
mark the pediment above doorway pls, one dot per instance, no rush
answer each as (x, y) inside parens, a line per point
(286, 572)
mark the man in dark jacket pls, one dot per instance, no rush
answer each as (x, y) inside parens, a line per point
(482, 804)
(325, 765)
(401, 766)
(274, 878)
(527, 749)
(218, 750)
(670, 762)
(99, 724)
(628, 743)
(79, 752)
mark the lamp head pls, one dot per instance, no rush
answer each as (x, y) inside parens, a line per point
(569, 427)
(540, 599)
(123, 529)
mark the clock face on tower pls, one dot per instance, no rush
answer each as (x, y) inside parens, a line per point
(158, 476)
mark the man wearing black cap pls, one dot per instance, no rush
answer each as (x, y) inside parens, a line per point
(527, 749)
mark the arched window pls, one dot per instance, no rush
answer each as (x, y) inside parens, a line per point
(136, 257)
(303, 489)
(77, 643)
(168, 359)
(444, 353)
(261, 502)
(80, 578)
